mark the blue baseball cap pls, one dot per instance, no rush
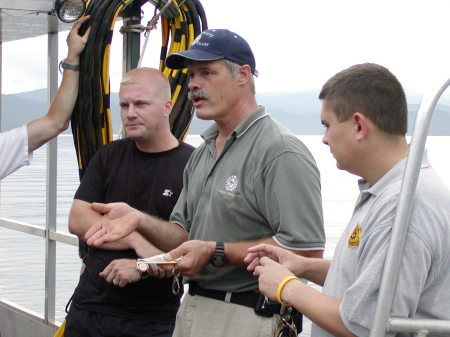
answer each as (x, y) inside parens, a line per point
(215, 44)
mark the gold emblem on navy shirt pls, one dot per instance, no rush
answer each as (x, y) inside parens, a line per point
(355, 237)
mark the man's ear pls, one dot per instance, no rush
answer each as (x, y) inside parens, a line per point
(361, 125)
(168, 107)
(244, 74)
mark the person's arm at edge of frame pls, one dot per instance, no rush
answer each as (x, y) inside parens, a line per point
(57, 119)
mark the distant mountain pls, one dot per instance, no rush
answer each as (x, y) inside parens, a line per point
(299, 111)
(18, 109)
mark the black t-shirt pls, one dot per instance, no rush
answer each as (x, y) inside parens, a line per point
(150, 182)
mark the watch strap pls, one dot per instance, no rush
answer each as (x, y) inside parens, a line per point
(218, 259)
(64, 65)
(220, 249)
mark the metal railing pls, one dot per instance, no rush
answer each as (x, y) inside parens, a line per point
(421, 327)
(394, 254)
(50, 234)
(46, 233)
(16, 320)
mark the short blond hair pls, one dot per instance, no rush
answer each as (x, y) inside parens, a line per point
(148, 75)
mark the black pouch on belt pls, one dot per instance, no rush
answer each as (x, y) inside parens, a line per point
(268, 308)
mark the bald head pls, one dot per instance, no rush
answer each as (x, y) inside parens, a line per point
(151, 77)
(145, 106)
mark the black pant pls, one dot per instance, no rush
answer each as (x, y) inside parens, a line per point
(82, 323)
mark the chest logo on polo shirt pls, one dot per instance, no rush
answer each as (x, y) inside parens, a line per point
(355, 237)
(231, 183)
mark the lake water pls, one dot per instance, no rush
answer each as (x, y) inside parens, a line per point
(22, 198)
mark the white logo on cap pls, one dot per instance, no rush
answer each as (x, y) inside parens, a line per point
(198, 38)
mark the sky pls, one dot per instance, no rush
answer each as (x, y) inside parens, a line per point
(297, 44)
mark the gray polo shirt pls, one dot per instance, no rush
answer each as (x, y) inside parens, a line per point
(265, 183)
(423, 287)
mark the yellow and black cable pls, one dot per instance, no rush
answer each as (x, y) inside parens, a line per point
(181, 22)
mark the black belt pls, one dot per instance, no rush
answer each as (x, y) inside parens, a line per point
(246, 298)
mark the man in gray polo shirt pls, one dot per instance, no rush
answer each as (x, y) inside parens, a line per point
(251, 181)
(364, 112)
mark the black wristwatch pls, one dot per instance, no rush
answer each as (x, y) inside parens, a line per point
(218, 259)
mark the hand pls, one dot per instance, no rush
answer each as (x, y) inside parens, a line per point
(121, 272)
(270, 274)
(118, 221)
(286, 258)
(194, 255)
(156, 271)
(75, 42)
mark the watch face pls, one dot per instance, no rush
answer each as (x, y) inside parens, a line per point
(218, 261)
(143, 267)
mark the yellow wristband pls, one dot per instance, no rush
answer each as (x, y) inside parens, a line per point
(281, 286)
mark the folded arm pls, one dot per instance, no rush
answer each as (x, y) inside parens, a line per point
(82, 218)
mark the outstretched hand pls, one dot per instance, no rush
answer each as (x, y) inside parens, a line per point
(118, 221)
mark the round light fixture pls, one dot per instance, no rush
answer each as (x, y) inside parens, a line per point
(70, 10)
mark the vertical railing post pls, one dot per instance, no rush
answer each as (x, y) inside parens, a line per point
(52, 147)
(1, 87)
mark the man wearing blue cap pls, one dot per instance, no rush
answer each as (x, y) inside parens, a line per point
(251, 181)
